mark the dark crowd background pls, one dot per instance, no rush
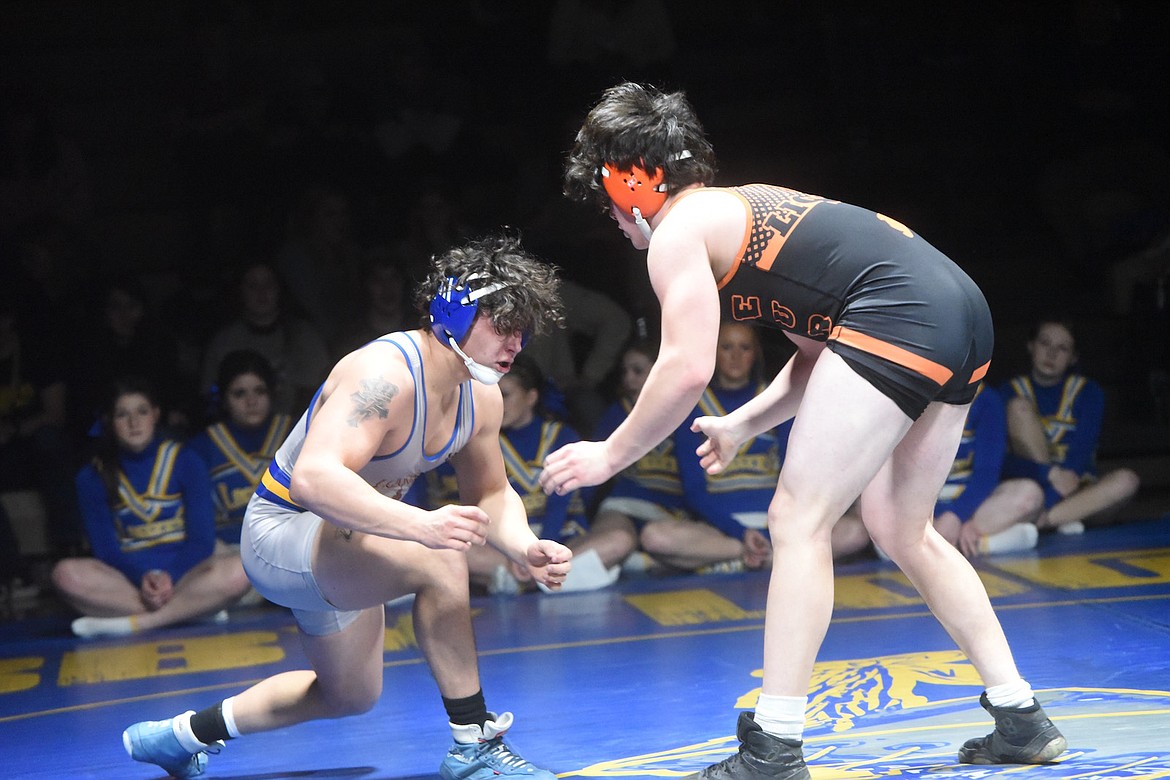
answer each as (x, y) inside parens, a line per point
(177, 140)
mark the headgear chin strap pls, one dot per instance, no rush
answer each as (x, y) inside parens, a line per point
(453, 312)
(478, 371)
(637, 191)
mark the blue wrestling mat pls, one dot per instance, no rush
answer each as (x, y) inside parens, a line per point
(646, 679)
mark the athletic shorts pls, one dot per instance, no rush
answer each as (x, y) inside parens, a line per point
(276, 547)
(952, 338)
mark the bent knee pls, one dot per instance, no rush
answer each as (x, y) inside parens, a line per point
(655, 538)
(69, 575)
(354, 702)
(1127, 482)
(1029, 497)
(444, 577)
(227, 572)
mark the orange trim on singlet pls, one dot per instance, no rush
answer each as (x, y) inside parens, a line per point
(743, 245)
(935, 372)
(979, 373)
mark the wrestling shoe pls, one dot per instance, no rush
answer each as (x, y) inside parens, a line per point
(480, 754)
(154, 742)
(761, 756)
(1023, 735)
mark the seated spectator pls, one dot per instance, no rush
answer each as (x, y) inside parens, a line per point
(730, 529)
(579, 358)
(36, 451)
(122, 337)
(238, 447)
(146, 504)
(387, 307)
(292, 346)
(650, 491)
(318, 260)
(527, 434)
(13, 570)
(977, 511)
(1054, 418)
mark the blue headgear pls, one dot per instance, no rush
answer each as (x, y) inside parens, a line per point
(454, 307)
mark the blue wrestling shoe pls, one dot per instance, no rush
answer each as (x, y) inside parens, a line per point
(480, 754)
(154, 742)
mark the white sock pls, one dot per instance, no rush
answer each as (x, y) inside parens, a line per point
(227, 709)
(181, 726)
(1021, 536)
(782, 716)
(103, 626)
(1012, 694)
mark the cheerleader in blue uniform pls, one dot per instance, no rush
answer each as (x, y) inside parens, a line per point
(648, 493)
(238, 448)
(527, 434)
(977, 510)
(732, 506)
(1054, 423)
(146, 504)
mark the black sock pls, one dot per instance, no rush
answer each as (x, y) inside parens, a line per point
(208, 725)
(463, 712)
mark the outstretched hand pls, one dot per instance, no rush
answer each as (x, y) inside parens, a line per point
(720, 446)
(549, 562)
(576, 465)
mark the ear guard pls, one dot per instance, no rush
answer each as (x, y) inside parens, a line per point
(454, 308)
(634, 190)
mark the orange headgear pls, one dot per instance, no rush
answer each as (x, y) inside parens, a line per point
(634, 190)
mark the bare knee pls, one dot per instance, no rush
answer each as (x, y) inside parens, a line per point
(1126, 482)
(228, 572)
(1027, 498)
(1020, 409)
(445, 580)
(658, 538)
(354, 700)
(69, 576)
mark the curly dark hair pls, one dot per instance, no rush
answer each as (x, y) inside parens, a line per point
(636, 124)
(529, 302)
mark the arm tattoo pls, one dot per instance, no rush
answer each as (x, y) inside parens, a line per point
(371, 401)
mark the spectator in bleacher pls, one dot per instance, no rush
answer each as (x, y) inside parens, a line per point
(36, 451)
(319, 259)
(386, 307)
(650, 491)
(43, 172)
(291, 344)
(580, 357)
(1054, 419)
(123, 336)
(146, 502)
(13, 570)
(238, 446)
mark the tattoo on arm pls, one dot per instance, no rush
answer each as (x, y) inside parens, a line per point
(371, 401)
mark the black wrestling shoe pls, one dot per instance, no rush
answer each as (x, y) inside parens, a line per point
(761, 756)
(1023, 735)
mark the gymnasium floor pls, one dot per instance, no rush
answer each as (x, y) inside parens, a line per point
(646, 679)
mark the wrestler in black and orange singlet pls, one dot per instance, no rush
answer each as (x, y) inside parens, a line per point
(900, 312)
